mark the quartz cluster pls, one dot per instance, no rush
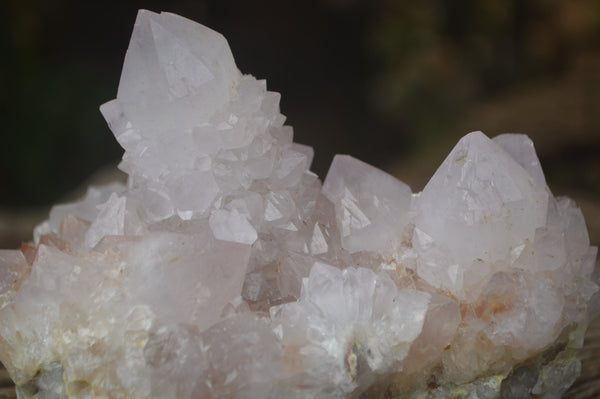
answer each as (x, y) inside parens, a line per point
(226, 269)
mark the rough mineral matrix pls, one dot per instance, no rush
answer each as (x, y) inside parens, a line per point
(226, 269)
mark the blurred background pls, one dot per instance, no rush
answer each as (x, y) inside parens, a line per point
(394, 83)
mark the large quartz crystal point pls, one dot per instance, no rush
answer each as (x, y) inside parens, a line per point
(176, 73)
(195, 130)
(479, 205)
(371, 206)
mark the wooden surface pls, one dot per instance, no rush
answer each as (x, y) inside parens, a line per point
(587, 385)
(7, 388)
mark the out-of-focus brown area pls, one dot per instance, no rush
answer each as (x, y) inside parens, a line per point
(7, 388)
(394, 83)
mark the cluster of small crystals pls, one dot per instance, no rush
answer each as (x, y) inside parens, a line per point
(225, 269)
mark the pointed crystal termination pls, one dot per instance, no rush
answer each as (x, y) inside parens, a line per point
(225, 269)
(478, 206)
(177, 73)
(371, 206)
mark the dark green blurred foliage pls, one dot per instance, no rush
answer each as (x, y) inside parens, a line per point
(53, 135)
(435, 58)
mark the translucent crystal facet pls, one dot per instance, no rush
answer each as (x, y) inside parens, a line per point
(224, 269)
(371, 206)
(478, 207)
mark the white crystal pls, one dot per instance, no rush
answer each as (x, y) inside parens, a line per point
(353, 316)
(225, 269)
(86, 209)
(231, 226)
(478, 206)
(371, 206)
(110, 220)
(521, 149)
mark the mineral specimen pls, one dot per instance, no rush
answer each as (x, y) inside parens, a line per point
(225, 269)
